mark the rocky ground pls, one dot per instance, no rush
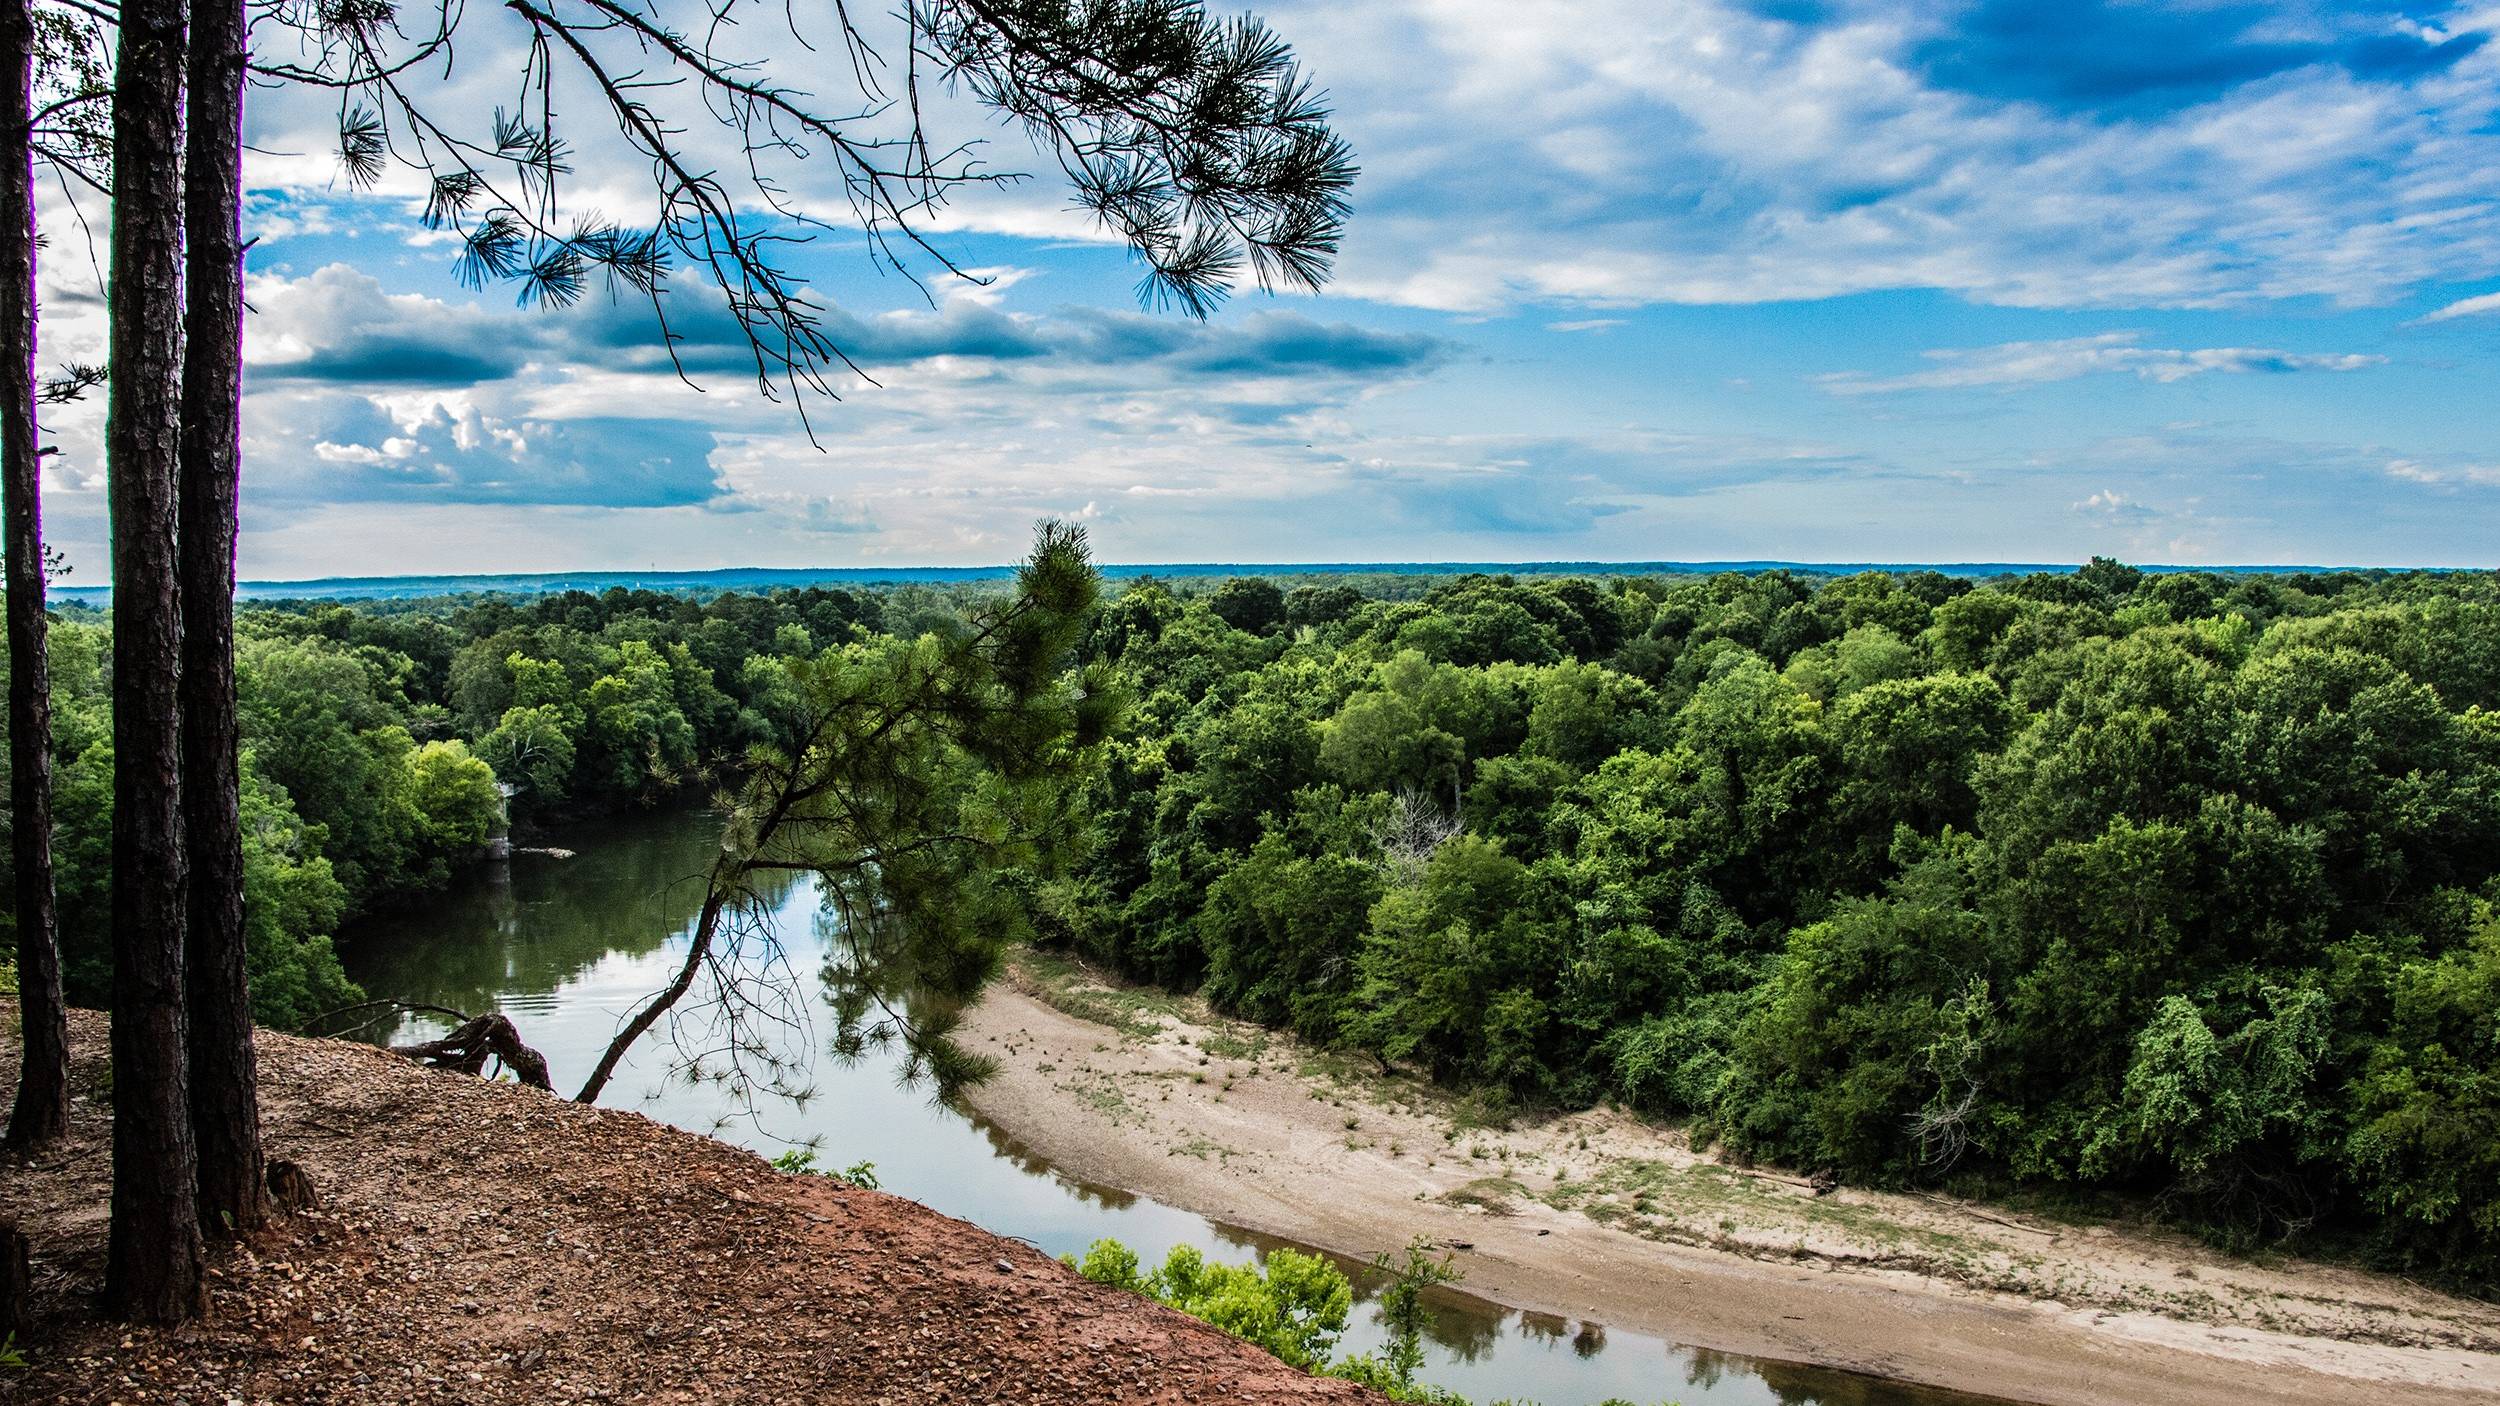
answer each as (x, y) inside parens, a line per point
(479, 1242)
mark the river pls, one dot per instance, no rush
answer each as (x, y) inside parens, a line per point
(565, 946)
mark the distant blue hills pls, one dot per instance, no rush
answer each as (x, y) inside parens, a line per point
(350, 588)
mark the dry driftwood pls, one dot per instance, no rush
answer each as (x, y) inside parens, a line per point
(292, 1188)
(479, 1038)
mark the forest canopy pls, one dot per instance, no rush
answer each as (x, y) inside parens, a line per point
(2176, 887)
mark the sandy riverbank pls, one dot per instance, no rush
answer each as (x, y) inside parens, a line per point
(1605, 1219)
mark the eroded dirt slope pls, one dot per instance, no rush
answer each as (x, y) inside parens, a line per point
(484, 1243)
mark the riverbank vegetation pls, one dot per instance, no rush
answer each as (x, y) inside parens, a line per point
(1296, 1306)
(2177, 888)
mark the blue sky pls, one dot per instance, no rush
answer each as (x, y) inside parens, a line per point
(1626, 279)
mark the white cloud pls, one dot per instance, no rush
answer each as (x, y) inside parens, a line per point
(2113, 506)
(1624, 152)
(2464, 307)
(2035, 363)
(2453, 475)
(1750, 159)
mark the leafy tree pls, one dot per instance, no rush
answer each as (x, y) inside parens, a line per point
(1378, 742)
(318, 725)
(456, 795)
(2424, 1145)
(1251, 604)
(1280, 932)
(533, 748)
(1292, 1304)
(923, 780)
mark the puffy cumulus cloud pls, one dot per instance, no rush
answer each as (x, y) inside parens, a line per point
(980, 419)
(2110, 505)
(340, 326)
(340, 447)
(360, 394)
(2033, 363)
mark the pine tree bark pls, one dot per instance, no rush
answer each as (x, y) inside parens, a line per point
(41, 1111)
(225, 1100)
(153, 1269)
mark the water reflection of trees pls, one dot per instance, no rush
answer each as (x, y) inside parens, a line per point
(634, 886)
(1544, 1327)
(1795, 1384)
(536, 923)
(1032, 1163)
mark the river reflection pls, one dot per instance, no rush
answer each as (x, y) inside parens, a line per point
(568, 947)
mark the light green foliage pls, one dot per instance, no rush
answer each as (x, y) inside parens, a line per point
(293, 899)
(2159, 884)
(291, 904)
(800, 1161)
(1296, 1306)
(327, 725)
(532, 747)
(1292, 1304)
(2195, 1098)
(455, 793)
(1412, 1273)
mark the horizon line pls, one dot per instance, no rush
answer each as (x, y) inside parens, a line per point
(412, 584)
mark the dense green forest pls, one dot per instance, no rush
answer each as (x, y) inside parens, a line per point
(2172, 887)
(379, 742)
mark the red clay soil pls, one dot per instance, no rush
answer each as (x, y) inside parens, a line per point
(479, 1242)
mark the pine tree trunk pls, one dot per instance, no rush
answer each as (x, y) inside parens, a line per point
(153, 1259)
(225, 1101)
(42, 1107)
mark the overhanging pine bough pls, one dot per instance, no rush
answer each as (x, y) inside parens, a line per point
(913, 779)
(1195, 140)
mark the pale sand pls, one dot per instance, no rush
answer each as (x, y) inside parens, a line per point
(1937, 1292)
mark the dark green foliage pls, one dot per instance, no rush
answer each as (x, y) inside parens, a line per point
(293, 897)
(2173, 886)
(2169, 885)
(1250, 604)
(377, 739)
